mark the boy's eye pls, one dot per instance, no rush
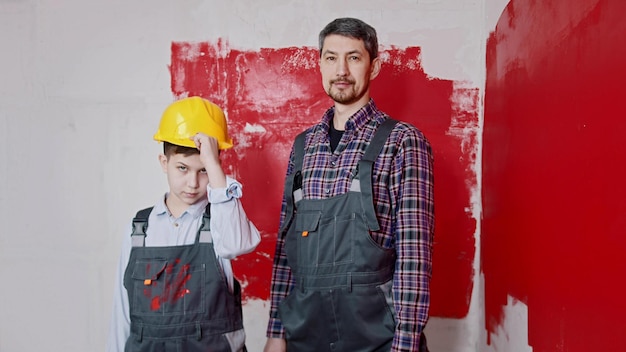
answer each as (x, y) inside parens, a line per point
(203, 171)
(182, 168)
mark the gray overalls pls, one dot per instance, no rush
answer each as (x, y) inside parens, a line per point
(342, 297)
(178, 297)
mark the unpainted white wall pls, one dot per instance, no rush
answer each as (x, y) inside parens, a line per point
(82, 86)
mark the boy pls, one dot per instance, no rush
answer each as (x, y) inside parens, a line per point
(175, 289)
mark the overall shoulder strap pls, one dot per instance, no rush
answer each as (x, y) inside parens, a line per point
(204, 232)
(298, 159)
(373, 150)
(140, 225)
(378, 140)
(363, 182)
(293, 183)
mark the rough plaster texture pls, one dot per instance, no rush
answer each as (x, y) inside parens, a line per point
(83, 84)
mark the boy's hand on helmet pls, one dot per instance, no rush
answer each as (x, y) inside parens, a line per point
(209, 155)
(205, 144)
(208, 147)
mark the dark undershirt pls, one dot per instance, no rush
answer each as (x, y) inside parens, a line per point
(335, 136)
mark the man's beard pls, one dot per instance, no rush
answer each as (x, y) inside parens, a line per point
(343, 96)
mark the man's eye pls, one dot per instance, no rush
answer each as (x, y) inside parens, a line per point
(203, 171)
(182, 168)
(330, 58)
(354, 58)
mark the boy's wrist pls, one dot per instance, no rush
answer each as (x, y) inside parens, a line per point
(232, 189)
(211, 162)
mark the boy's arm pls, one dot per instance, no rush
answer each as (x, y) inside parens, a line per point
(233, 233)
(209, 155)
(119, 328)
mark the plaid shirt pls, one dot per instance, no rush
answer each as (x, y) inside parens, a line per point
(402, 182)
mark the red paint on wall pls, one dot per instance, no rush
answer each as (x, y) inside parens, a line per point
(553, 172)
(272, 94)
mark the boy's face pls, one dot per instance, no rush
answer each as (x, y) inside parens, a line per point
(187, 179)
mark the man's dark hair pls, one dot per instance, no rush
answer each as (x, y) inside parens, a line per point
(170, 149)
(352, 28)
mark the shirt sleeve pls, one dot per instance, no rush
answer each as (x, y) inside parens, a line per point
(233, 233)
(412, 183)
(119, 328)
(282, 280)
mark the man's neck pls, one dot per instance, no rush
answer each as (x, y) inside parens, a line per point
(344, 112)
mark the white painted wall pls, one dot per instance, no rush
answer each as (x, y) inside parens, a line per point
(82, 85)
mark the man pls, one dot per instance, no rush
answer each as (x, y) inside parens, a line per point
(353, 257)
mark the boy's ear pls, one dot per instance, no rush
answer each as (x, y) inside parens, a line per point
(163, 162)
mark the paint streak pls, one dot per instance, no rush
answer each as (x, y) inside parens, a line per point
(553, 172)
(155, 303)
(270, 95)
(174, 286)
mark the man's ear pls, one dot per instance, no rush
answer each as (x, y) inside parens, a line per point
(376, 66)
(163, 162)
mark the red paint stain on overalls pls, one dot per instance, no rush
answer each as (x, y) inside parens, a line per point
(173, 289)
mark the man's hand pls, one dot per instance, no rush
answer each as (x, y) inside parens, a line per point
(275, 345)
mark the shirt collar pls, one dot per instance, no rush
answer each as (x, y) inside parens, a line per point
(356, 121)
(194, 210)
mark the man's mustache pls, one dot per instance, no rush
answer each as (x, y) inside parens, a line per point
(342, 80)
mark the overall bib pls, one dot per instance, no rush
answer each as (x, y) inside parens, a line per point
(178, 297)
(342, 298)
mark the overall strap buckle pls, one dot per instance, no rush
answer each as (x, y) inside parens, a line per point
(140, 226)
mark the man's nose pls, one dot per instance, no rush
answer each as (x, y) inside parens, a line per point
(342, 68)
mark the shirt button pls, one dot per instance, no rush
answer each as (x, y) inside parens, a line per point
(327, 190)
(333, 163)
(175, 224)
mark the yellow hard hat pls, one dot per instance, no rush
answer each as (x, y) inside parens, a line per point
(185, 117)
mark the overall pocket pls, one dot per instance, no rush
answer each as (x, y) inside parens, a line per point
(162, 287)
(326, 241)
